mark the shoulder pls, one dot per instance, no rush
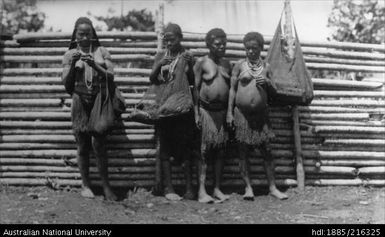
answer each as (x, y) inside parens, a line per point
(67, 57)
(200, 60)
(188, 53)
(225, 63)
(238, 64)
(69, 53)
(105, 53)
(266, 65)
(161, 52)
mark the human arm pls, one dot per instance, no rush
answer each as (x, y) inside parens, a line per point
(271, 88)
(159, 61)
(68, 75)
(232, 92)
(106, 69)
(197, 86)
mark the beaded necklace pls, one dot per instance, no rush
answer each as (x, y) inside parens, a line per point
(255, 69)
(88, 73)
(172, 65)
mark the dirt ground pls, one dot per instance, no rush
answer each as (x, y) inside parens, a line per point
(317, 205)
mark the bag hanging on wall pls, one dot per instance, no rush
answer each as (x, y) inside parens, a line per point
(289, 72)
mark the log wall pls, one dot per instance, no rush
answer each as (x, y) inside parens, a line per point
(342, 132)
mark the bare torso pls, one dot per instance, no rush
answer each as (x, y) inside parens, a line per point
(215, 81)
(250, 97)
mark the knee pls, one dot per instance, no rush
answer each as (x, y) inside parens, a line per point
(83, 150)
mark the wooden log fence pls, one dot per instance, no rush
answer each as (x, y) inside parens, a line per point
(337, 140)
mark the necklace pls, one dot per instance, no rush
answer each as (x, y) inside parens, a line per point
(255, 69)
(172, 65)
(88, 73)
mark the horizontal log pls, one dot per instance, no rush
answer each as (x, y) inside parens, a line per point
(58, 71)
(30, 102)
(34, 95)
(340, 122)
(335, 116)
(355, 142)
(349, 102)
(59, 59)
(349, 129)
(55, 51)
(338, 94)
(61, 124)
(344, 84)
(70, 131)
(69, 138)
(342, 135)
(104, 42)
(335, 182)
(137, 153)
(66, 35)
(344, 155)
(29, 80)
(344, 61)
(344, 162)
(337, 109)
(349, 171)
(336, 147)
(72, 145)
(380, 170)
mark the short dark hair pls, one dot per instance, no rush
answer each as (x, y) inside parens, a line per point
(214, 33)
(254, 36)
(174, 28)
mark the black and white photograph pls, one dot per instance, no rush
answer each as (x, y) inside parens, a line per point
(192, 112)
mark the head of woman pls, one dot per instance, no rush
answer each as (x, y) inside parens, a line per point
(84, 33)
(173, 37)
(253, 42)
(216, 42)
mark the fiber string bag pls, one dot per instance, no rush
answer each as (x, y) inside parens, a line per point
(289, 72)
(169, 98)
(102, 117)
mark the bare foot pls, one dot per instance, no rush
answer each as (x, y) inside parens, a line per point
(87, 193)
(218, 194)
(173, 197)
(278, 194)
(205, 198)
(189, 195)
(249, 194)
(109, 195)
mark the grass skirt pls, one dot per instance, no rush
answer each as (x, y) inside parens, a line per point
(252, 129)
(213, 134)
(80, 114)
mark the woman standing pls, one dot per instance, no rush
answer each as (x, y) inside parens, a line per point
(173, 72)
(86, 68)
(250, 90)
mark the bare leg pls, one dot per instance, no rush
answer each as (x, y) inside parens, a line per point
(203, 197)
(83, 141)
(245, 171)
(164, 154)
(218, 170)
(269, 169)
(98, 143)
(188, 179)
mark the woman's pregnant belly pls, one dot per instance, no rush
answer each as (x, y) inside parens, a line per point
(251, 98)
